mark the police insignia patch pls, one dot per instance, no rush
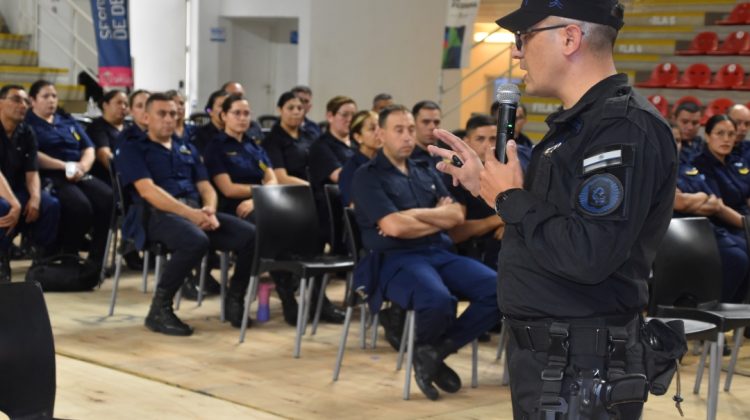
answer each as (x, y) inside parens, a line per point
(600, 195)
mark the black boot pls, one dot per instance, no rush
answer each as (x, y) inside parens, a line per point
(234, 305)
(161, 317)
(426, 364)
(285, 287)
(4, 268)
(392, 319)
(445, 377)
(329, 312)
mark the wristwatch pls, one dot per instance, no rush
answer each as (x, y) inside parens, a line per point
(500, 199)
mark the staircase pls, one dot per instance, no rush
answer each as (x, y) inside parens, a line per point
(19, 64)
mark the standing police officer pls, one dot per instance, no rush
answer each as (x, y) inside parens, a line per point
(583, 226)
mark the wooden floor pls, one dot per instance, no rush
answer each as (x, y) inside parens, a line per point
(113, 368)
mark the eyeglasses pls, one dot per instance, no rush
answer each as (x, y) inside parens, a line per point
(520, 34)
(18, 99)
(345, 115)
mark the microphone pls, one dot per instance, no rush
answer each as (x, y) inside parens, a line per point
(507, 96)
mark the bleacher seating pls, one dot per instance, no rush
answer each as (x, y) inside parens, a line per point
(703, 43)
(736, 43)
(740, 15)
(717, 106)
(660, 103)
(695, 75)
(662, 75)
(688, 98)
(727, 77)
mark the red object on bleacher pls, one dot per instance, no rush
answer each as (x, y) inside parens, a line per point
(717, 106)
(744, 86)
(740, 15)
(661, 76)
(695, 75)
(736, 43)
(729, 76)
(701, 44)
(688, 98)
(660, 103)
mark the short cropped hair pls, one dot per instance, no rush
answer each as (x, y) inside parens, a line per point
(481, 120)
(301, 89)
(135, 93)
(387, 111)
(424, 105)
(157, 97)
(687, 106)
(7, 88)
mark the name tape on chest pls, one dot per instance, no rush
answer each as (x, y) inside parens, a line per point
(602, 160)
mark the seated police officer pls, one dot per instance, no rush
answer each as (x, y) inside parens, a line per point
(427, 117)
(480, 234)
(403, 209)
(23, 204)
(171, 178)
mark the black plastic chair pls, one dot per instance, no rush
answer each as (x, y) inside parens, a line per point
(114, 222)
(687, 284)
(267, 121)
(27, 359)
(200, 118)
(287, 239)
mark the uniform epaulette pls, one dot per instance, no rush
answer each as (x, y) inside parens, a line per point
(617, 106)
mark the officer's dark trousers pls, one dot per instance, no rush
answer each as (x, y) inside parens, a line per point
(734, 266)
(526, 369)
(43, 231)
(431, 281)
(187, 244)
(84, 205)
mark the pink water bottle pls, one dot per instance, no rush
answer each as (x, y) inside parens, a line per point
(264, 293)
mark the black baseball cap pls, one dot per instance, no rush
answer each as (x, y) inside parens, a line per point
(533, 11)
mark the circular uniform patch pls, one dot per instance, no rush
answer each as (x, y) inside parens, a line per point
(600, 195)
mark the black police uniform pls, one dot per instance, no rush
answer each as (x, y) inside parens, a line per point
(311, 128)
(287, 152)
(18, 155)
(244, 162)
(177, 170)
(103, 134)
(203, 135)
(579, 241)
(421, 273)
(327, 154)
(85, 204)
(735, 262)
(484, 248)
(347, 175)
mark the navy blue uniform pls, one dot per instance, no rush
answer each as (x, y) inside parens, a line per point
(311, 128)
(422, 155)
(245, 162)
(730, 180)
(204, 134)
(691, 149)
(85, 204)
(742, 150)
(581, 236)
(732, 246)
(421, 273)
(18, 155)
(287, 152)
(129, 133)
(188, 133)
(347, 175)
(103, 134)
(177, 170)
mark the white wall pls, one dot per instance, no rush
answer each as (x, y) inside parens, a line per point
(157, 43)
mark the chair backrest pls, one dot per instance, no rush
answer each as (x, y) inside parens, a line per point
(660, 103)
(335, 216)
(739, 15)
(353, 234)
(705, 42)
(114, 178)
(286, 222)
(665, 73)
(730, 75)
(27, 359)
(696, 74)
(736, 42)
(717, 106)
(200, 118)
(687, 267)
(267, 121)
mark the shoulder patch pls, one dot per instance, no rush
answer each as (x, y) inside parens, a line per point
(600, 195)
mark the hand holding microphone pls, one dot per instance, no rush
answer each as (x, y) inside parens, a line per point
(507, 96)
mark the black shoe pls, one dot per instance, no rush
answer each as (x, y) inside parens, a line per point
(426, 366)
(133, 260)
(329, 313)
(234, 306)
(447, 379)
(289, 304)
(161, 317)
(4, 269)
(189, 289)
(212, 287)
(484, 338)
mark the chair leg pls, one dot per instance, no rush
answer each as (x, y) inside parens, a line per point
(474, 361)
(362, 325)
(113, 252)
(374, 336)
(224, 258)
(178, 299)
(342, 343)
(118, 270)
(246, 307)
(502, 341)
(739, 335)
(107, 247)
(319, 304)
(715, 372)
(202, 279)
(404, 337)
(701, 366)
(506, 372)
(144, 286)
(301, 316)
(411, 327)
